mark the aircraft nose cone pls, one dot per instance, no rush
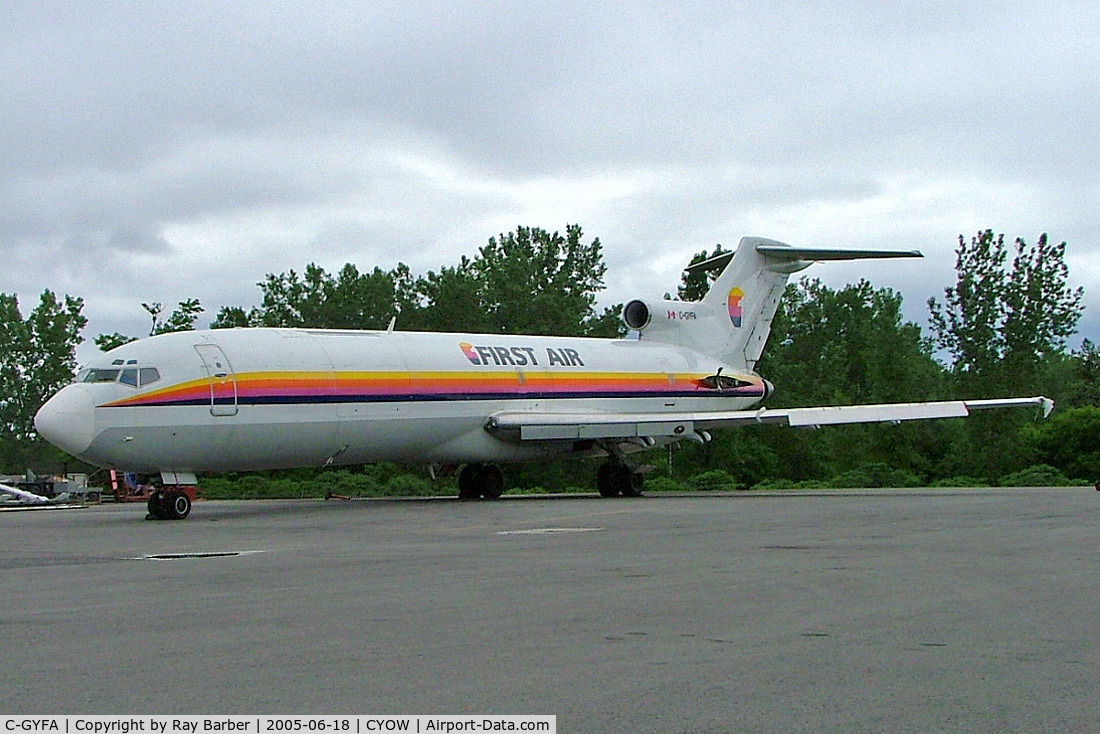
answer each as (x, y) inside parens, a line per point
(67, 420)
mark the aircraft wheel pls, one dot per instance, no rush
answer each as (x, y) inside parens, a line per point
(158, 506)
(179, 505)
(491, 481)
(631, 482)
(605, 480)
(468, 481)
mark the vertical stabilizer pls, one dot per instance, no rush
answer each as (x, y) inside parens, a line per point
(734, 319)
(742, 302)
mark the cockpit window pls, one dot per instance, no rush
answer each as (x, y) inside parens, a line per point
(99, 374)
(132, 376)
(135, 377)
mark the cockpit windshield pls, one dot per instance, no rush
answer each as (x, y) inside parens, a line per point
(99, 374)
(130, 374)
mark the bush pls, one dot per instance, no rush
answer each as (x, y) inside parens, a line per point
(875, 475)
(1039, 475)
(959, 481)
(1069, 440)
(663, 484)
(382, 480)
(710, 481)
(410, 485)
(769, 484)
(350, 485)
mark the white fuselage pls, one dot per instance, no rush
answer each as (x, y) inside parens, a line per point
(242, 399)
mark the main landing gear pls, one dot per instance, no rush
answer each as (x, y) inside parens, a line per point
(480, 480)
(615, 478)
(170, 504)
(618, 476)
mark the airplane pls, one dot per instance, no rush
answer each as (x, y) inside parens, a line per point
(276, 398)
(23, 496)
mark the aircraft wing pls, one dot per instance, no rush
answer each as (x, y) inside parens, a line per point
(542, 426)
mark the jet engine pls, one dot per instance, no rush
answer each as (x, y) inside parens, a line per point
(646, 316)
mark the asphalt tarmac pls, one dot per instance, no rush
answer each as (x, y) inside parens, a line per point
(884, 611)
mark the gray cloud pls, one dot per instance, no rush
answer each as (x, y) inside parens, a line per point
(185, 149)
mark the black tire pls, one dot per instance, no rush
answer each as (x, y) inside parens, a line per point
(631, 483)
(158, 505)
(179, 505)
(491, 482)
(605, 480)
(468, 482)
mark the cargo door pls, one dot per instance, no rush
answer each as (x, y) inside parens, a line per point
(223, 383)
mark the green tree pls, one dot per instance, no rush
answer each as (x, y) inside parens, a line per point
(535, 282)
(453, 299)
(693, 286)
(107, 342)
(183, 318)
(851, 345)
(527, 281)
(847, 346)
(1068, 440)
(1000, 323)
(230, 317)
(39, 357)
(1084, 384)
(317, 299)
(834, 347)
(1004, 326)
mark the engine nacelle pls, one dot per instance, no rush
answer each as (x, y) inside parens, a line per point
(649, 317)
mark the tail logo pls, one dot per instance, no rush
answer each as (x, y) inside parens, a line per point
(734, 303)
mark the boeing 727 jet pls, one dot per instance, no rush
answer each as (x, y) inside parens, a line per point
(274, 398)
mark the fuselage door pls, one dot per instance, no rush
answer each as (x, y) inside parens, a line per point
(223, 383)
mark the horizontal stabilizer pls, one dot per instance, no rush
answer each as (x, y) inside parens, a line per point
(524, 426)
(821, 255)
(807, 254)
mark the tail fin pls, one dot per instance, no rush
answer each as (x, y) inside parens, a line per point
(734, 319)
(743, 299)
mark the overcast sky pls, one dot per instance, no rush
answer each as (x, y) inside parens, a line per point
(163, 151)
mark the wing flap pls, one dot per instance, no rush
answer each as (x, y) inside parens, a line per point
(561, 427)
(887, 413)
